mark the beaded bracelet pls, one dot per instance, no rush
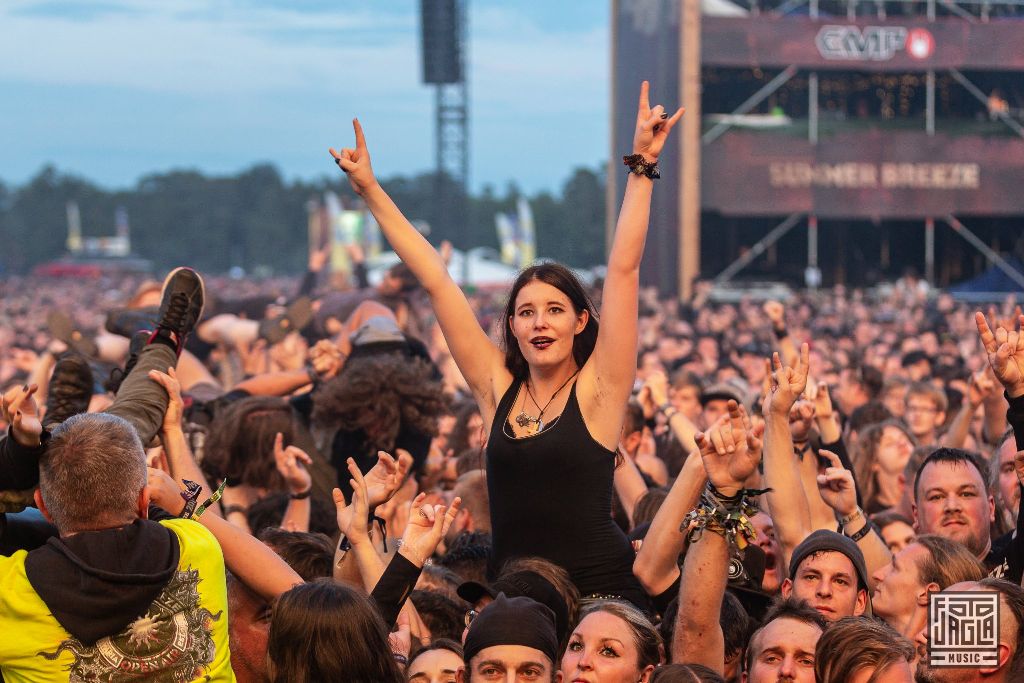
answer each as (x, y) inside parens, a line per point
(727, 516)
(640, 166)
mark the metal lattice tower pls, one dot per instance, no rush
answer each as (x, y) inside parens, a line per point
(444, 31)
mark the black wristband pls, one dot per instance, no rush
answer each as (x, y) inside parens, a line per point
(303, 495)
(781, 334)
(864, 531)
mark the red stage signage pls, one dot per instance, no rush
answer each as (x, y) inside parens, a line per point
(890, 174)
(865, 44)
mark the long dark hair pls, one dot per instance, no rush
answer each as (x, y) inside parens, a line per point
(240, 445)
(565, 281)
(326, 631)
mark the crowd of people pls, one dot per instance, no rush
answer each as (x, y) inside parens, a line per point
(299, 481)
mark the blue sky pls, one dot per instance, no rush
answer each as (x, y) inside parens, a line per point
(117, 89)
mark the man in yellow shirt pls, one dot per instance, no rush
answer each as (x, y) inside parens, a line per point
(117, 595)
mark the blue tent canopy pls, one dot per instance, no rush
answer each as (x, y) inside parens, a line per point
(992, 280)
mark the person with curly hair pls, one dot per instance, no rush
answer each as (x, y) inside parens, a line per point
(379, 402)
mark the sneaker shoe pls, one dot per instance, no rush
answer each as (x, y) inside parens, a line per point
(70, 390)
(62, 327)
(181, 307)
(135, 346)
(126, 321)
(297, 316)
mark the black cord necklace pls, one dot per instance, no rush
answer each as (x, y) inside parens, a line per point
(525, 420)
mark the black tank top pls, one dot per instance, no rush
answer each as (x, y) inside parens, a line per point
(551, 496)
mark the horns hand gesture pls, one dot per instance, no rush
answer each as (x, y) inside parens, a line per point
(652, 126)
(1005, 349)
(356, 162)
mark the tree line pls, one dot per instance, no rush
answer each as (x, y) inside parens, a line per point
(257, 220)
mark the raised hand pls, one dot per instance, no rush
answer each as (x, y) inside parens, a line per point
(836, 486)
(787, 383)
(326, 359)
(356, 162)
(730, 450)
(657, 384)
(652, 126)
(291, 463)
(175, 405)
(21, 412)
(427, 526)
(353, 520)
(164, 492)
(1005, 349)
(318, 258)
(387, 476)
(982, 386)
(822, 402)
(776, 313)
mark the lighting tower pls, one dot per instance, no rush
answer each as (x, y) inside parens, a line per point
(443, 37)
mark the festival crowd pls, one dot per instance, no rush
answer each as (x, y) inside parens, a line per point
(316, 480)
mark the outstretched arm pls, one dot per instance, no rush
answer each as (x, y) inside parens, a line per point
(179, 456)
(730, 455)
(606, 380)
(256, 565)
(786, 498)
(478, 358)
(839, 492)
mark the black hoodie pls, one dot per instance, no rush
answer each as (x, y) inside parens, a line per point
(96, 583)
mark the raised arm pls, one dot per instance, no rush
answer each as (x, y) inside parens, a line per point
(256, 565)
(607, 379)
(657, 564)
(786, 499)
(980, 386)
(479, 360)
(179, 456)
(838, 491)
(291, 463)
(654, 399)
(730, 455)
(629, 485)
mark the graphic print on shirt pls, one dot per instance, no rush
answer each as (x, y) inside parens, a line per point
(171, 643)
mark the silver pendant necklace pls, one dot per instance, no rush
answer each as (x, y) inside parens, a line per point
(536, 424)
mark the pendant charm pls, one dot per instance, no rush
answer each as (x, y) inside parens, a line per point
(524, 420)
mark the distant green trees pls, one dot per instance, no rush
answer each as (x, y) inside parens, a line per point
(255, 219)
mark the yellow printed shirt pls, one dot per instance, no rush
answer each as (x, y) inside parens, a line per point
(183, 635)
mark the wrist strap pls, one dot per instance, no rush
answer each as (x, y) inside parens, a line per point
(864, 531)
(209, 501)
(852, 517)
(191, 496)
(314, 378)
